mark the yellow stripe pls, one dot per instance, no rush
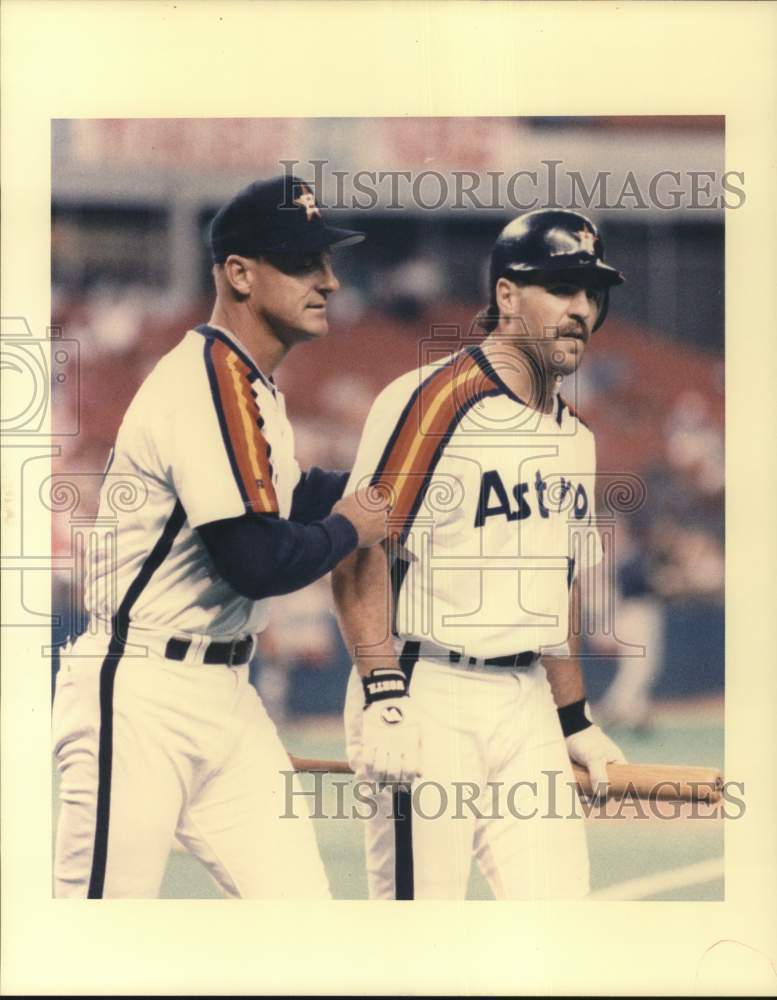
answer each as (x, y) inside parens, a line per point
(428, 419)
(232, 360)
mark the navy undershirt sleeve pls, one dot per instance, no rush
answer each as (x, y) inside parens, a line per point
(262, 556)
(316, 493)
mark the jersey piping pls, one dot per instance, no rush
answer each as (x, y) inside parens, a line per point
(214, 333)
(110, 665)
(564, 405)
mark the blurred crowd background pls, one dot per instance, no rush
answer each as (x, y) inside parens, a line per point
(131, 201)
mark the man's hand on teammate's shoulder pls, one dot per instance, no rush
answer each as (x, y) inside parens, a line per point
(390, 748)
(588, 745)
(368, 513)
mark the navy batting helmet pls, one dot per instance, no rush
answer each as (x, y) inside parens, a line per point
(551, 244)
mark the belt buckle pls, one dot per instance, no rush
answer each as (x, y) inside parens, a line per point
(234, 647)
(232, 652)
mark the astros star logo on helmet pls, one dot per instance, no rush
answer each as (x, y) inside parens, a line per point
(586, 238)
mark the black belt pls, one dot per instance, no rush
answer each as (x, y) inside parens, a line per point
(232, 654)
(513, 660)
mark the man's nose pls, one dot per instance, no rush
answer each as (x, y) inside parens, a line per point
(328, 281)
(581, 304)
(582, 308)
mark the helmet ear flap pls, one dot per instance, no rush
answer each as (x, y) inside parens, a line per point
(603, 309)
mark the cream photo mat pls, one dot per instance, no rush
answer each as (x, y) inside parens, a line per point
(126, 59)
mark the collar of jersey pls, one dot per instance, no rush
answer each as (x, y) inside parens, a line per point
(228, 338)
(488, 369)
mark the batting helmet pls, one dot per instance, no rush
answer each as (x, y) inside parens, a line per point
(551, 244)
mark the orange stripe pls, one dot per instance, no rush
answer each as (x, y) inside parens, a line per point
(413, 427)
(241, 414)
(249, 413)
(430, 418)
(416, 463)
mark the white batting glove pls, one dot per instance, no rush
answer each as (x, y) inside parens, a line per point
(589, 746)
(390, 735)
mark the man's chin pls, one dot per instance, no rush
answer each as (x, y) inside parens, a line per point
(320, 330)
(304, 333)
(314, 328)
(562, 362)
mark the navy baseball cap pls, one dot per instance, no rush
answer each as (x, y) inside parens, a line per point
(274, 216)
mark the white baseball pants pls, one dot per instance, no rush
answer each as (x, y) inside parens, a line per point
(174, 749)
(490, 737)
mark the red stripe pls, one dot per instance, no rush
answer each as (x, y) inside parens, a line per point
(242, 415)
(437, 408)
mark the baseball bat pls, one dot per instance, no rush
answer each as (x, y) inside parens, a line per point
(642, 781)
(658, 781)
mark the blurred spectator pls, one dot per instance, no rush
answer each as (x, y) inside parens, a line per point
(347, 307)
(409, 288)
(672, 563)
(639, 623)
(114, 320)
(693, 444)
(689, 562)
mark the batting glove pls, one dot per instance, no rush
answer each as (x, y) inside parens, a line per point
(588, 745)
(390, 734)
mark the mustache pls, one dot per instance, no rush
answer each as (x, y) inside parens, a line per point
(577, 330)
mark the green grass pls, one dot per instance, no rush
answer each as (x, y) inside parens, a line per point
(620, 849)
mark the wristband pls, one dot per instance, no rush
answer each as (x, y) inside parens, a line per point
(382, 683)
(575, 717)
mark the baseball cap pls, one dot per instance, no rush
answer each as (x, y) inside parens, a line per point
(279, 215)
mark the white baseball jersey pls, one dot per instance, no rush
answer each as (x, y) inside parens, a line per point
(493, 507)
(150, 745)
(494, 514)
(205, 438)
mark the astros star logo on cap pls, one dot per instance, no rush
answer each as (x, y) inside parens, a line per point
(586, 238)
(308, 201)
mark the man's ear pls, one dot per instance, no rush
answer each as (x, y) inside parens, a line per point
(238, 274)
(507, 295)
